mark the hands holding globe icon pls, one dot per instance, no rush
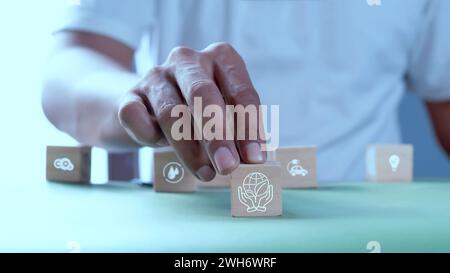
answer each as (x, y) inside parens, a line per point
(256, 192)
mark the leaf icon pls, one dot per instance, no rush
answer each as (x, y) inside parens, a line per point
(261, 187)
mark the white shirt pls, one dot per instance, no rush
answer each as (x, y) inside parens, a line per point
(338, 69)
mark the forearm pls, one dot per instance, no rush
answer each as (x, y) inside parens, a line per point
(440, 116)
(81, 97)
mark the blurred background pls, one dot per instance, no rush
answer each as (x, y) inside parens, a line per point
(26, 25)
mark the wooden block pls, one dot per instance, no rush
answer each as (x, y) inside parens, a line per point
(298, 166)
(256, 190)
(220, 181)
(69, 164)
(169, 174)
(389, 163)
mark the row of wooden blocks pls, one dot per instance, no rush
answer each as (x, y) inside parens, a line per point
(255, 189)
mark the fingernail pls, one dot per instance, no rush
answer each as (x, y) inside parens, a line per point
(224, 159)
(205, 173)
(253, 152)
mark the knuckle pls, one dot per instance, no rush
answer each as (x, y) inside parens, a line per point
(224, 53)
(180, 53)
(164, 113)
(156, 74)
(223, 47)
(245, 94)
(200, 88)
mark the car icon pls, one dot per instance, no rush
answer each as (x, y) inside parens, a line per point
(298, 170)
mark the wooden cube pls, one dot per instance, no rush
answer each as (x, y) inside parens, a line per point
(256, 190)
(169, 173)
(298, 166)
(69, 164)
(389, 163)
(220, 181)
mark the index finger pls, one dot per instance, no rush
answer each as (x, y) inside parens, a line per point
(237, 89)
(194, 74)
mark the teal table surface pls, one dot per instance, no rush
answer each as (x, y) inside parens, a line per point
(347, 217)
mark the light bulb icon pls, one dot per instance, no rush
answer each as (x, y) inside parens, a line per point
(394, 161)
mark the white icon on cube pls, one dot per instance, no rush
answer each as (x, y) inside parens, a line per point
(394, 161)
(294, 168)
(64, 164)
(173, 172)
(256, 192)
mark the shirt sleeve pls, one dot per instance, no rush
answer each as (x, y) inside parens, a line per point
(125, 21)
(429, 71)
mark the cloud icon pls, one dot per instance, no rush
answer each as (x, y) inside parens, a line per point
(63, 164)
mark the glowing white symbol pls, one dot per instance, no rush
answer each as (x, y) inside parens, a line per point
(394, 161)
(256, 192)
(173, 172)
(374, 2)
(294, 168)
(63, 164)
(74, 247)
(374, 247)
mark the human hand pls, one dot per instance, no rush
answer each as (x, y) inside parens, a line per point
(219, 77)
